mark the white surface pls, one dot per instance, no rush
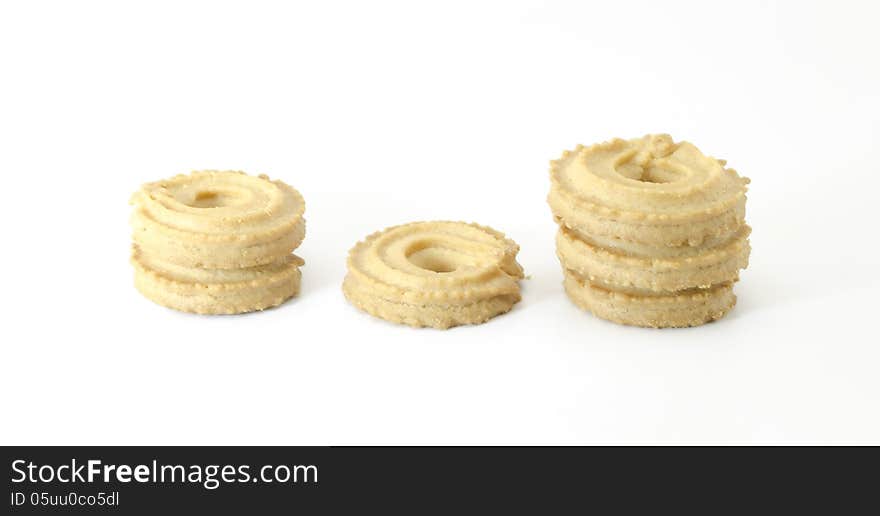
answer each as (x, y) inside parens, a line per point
(381, 114)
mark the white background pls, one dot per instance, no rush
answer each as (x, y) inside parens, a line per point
(388, 113)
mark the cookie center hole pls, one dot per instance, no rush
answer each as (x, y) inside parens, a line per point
(658, 175)
(435, 259)
(648, 173)
(209, 199)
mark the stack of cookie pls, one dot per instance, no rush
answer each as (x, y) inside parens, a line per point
(217, 242)
(651, 232)
(436, 274)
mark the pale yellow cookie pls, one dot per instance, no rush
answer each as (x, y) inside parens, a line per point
(712, 265)
(437, 274)
(686, 308)
(216, 291)
(432, 315)
(649, 190)
(218, 219)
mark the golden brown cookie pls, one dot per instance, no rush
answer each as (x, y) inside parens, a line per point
(436, 274)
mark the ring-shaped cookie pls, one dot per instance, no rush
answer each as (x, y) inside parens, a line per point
(649, 191)
(437, 274)
(216, 291)
(218, 219)
(670, 273)
(671, 310)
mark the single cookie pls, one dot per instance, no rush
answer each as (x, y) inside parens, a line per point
(649, 191)
(432, 315)
(686, 308)
(216, 291)
(218, 220)
(436, 274)
(694, 267)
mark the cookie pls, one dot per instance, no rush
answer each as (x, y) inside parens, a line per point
(434, 274)
(218, 219)
(693, 267)
(691, 307)
(649, 191)
(216, 291)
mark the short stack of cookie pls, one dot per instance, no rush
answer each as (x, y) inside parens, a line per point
(651, 232)
(217, 242)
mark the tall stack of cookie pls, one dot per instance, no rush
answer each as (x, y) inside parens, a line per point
(651, 232)
(217, 242)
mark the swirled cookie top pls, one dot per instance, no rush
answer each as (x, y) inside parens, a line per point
(219, 202)
(650, 175)
(437, 261)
